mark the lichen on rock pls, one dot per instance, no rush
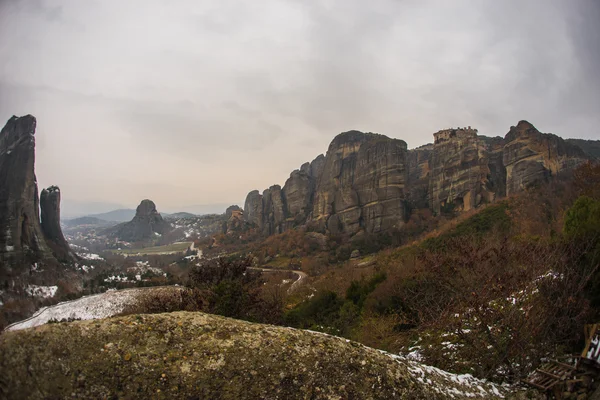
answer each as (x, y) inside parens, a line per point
(196, 355)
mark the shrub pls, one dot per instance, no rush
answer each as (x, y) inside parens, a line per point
(582, 220)
(159, 300)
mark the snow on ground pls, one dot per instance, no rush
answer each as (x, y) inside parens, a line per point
(142, 267)
(89, 307)
(41, 291)
(90, 256)
(84, 268)
(461, 385)
(444, 382)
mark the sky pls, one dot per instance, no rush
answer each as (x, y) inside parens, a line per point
(191, 102)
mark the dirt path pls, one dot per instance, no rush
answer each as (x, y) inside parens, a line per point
(295, 285)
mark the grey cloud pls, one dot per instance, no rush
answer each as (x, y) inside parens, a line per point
(232, 96)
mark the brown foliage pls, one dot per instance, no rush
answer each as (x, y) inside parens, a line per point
(501, 304)
(159, 300)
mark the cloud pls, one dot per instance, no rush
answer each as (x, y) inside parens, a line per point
(201, 102)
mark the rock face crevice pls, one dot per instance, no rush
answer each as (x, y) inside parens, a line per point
(368, 182)
(21, 236)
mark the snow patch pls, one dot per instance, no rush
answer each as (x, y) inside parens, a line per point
(102, 305)
(90, 256)
(41, 291)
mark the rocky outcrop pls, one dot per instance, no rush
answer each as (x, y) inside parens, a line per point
(253, 208)
(50, 214)
(21, 237)
(273, 211)
(531, 157)
(279, 209)
(195, 355)
(234, 220)
(362, 184)
(231, 210)
(358, 185)
(459, 171)
(369, 183)
(146, 224)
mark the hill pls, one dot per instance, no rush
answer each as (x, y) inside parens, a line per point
(179, 215)
(120, 215)
(196, 355)
(87, 221)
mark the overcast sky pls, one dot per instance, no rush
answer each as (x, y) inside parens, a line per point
(198, 102)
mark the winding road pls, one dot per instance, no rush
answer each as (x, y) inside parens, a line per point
(295, 285)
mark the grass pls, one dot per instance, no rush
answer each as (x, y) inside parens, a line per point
(280, 262)
(173, 248)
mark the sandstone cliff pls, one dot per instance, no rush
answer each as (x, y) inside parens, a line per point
(466, 170)
(531, 156)
(146, 224)
(369, 183)
(21, 237)
(362, 184)
(195, 355)
(358, 185)
(419, 161)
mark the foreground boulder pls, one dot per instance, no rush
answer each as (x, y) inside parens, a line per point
(195, 355)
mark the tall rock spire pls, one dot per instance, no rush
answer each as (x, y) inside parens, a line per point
(21, 236)
(50, 210)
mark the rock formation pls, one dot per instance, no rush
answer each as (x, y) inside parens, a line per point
(362, 184)
(21, 237)
(459, 171)
(193, 355)
(531, 157)
(368, 182)
(418, 161)
(146, 224)
(234, 220)
(50, 210)
(253, 208)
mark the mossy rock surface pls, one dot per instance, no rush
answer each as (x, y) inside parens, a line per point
(199, 356)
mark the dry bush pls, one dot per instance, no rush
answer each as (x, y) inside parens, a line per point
(159, 300)
(501, 304)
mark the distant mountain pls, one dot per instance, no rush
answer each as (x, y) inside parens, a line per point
(202, 209)
(71, 209)
(89, 221)
(121, 215)
(179, 215)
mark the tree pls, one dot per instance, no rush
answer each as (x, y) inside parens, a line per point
(583, 219)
